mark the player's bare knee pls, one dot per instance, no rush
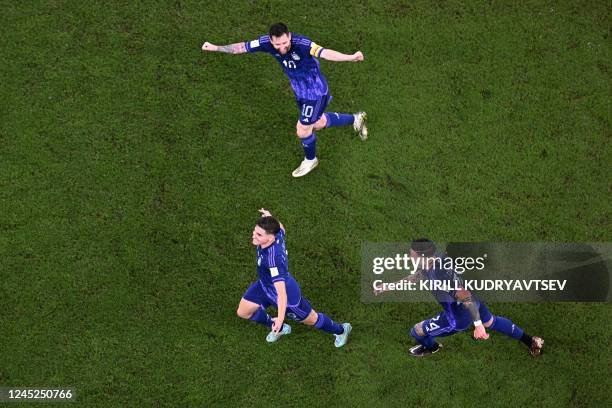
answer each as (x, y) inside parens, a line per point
(242, 314)
(418, 328)
(489, 323)
(311, 319)
(303, 131)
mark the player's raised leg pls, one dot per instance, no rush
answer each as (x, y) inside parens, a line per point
(333, 119)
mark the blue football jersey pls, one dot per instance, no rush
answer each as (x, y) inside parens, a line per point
(273, 266)
(446, 295)
(299, 63)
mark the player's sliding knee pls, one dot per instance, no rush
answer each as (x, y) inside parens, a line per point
(418, 329)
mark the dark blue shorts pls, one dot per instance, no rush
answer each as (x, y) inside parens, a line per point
(312, 110)
(298, 311)
(444, 325)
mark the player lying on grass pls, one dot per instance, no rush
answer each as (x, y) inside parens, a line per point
(277, 287)
(461, 308)
(298, 55)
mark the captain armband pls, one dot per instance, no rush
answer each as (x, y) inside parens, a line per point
(316, 50)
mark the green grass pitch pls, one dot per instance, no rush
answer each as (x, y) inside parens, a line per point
(132, 166)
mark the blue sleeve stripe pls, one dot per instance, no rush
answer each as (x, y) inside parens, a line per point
(271, 254)
(270, 259)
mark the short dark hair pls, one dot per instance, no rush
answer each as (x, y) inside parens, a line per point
(278, 29)
(269, 224)
(423, 247)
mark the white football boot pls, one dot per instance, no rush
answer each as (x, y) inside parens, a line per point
(305, 167)
(359, 124)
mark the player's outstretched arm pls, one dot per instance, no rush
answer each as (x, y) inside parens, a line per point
(331, 55)
(237, 48)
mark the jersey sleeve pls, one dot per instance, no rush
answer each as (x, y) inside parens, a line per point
(261, 44)
(308, 46)
(277, 260)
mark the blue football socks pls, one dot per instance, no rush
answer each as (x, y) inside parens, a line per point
(339, 119)
(262, 317)
(310, 146)
(503, 325)
(328, 325)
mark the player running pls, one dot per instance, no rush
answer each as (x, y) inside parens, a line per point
(298, 55)
(461, 308)
(276, 287)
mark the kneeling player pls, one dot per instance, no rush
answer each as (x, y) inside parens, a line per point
(276, 287)
(461, 308)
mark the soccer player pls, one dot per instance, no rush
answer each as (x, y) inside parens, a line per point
(461, 308)
(277, 287)
(298, 55)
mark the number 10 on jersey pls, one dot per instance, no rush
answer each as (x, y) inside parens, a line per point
(307, 111)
